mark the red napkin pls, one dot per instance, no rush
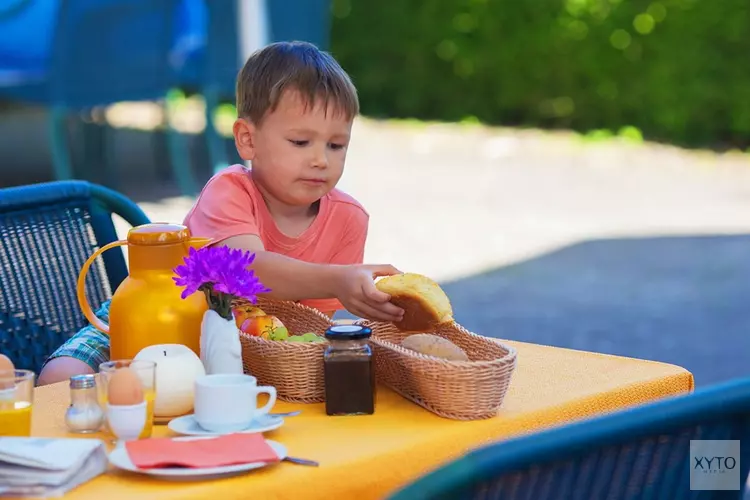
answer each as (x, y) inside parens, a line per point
(217, 451)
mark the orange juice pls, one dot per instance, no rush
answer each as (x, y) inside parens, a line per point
(150, 396)
(15, 418)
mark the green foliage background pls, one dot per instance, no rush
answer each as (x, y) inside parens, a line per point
(678, 70)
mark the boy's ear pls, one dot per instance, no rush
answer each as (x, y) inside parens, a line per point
(244, 138)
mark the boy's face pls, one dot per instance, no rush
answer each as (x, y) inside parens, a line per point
(298, 154)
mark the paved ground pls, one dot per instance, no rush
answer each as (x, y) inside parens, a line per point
(632, 250)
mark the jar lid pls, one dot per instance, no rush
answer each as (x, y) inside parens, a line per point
(348, 332)
(82, 381)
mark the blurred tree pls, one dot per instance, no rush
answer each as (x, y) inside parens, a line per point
(677, 70)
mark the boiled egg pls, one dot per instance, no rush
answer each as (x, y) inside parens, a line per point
(124, 388)
(7, 375)
(6, 365)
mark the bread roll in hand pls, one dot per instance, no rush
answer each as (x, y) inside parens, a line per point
(425, 304)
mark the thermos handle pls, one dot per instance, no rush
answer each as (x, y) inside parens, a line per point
(82, 300)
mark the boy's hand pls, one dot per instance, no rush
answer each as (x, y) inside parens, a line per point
(354, 286)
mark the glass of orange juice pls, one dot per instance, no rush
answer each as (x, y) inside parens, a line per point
(146, 372)
(16, 399)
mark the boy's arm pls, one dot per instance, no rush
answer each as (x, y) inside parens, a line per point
(292, 279)
(288, 278)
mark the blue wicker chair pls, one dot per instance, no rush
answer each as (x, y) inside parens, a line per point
(47, 231)
(639, 453)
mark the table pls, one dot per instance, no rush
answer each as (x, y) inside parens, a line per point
(370, 456)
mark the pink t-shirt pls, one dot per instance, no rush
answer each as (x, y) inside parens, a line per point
(231, 205)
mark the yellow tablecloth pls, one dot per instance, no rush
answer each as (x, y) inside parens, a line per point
(369, 456)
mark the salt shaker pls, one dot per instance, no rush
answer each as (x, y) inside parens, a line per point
(84, 415)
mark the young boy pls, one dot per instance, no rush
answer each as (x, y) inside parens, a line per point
(296, 108)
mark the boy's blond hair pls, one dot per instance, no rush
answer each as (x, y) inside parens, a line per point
(298, 66)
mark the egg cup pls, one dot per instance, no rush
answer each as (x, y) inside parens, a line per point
(127, 421)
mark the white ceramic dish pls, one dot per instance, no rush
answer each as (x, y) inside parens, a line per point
(120, 459)
(187, 425)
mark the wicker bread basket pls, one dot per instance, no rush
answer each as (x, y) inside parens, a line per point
(459, 390)
(295, 369)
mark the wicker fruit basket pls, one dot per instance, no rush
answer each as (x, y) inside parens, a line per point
(459, 390)
(294, 368)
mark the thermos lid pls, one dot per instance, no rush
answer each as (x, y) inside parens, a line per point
(158, 234)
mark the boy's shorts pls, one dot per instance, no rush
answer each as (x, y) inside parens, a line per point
(88, 345)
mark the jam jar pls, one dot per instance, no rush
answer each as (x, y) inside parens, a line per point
(349, 371)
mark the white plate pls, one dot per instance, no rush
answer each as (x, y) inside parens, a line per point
(120, 459)
(188, 426)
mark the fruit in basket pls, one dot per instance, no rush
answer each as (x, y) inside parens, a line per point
(433, 345)
(279, 334)
(243, 313)
(312, 337)
(308, 337)
(425, 304)
(268, 327)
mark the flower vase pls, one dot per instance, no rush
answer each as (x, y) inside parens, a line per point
(221, 351)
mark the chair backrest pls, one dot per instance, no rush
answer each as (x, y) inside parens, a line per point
(288, 20)
(189, 52)
(26, 28)
(26, 31)
(304, 20)
(47, 231)
(106, 51)
(85, 53)
(222, 59)
(639, 453)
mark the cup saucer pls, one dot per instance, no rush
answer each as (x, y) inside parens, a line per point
(188, 426)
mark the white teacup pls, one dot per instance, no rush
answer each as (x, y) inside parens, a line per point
(229, 402)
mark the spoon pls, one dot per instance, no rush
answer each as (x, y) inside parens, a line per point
(301, 461)
(286, 414)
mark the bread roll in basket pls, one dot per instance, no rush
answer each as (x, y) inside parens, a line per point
(461, 376)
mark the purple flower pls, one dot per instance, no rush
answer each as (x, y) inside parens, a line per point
(219, 269)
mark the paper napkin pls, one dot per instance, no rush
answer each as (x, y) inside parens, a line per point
(230, 449)
(48, 467)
